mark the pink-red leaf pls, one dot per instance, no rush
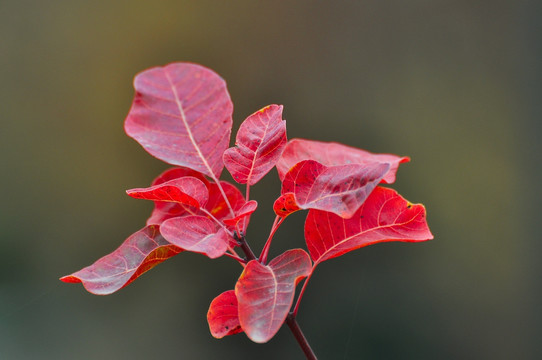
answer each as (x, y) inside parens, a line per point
(197, 234)
(139, 253)
(259, 143)
(178, 172)
(216, 204)
(331, 154)
(285, 205)
(182, 114)
(222, 316)
(265, 293)
(246, 210)
(166, 210)
(385, 216)
(339, 189)
(186, 190)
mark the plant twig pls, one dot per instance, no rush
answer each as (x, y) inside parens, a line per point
(300, 337)
(244, 246)
(265, 250)
(296, 307)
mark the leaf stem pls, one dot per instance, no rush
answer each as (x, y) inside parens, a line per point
(247, 197)
(296, 308)
(300, 337)
(236, 257)
(274, 228)
(244, 246)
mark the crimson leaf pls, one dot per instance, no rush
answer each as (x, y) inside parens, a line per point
(186, 190)
(196, 233)
(384, 216)
(330, 154)
(182, 114)
(339, 189)
(222, 316)
(139, 253)
(259, 143)
(245, 211)
(166, 210)
(265, 293)
(216, 204)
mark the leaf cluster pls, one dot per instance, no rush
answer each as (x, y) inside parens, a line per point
(182, 115)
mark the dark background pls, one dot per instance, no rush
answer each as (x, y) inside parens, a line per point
(456, 85)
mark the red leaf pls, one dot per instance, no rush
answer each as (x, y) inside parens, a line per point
(285, 205)
(178, 172)
(265, 293)
(186, 190)
(139, 253)
(222, 315)
(182, 114)
(166, 210)
(258, 145)
(197, 234)
(246, 210)
(339, 189)
(385, 216)
(216, 204)
(331, 154)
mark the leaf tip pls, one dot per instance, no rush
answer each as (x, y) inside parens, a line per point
(70, 279)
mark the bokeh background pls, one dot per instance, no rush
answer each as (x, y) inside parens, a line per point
(456, 85)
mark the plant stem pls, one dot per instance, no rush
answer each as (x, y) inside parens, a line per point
(265, 250)
(244, 246)
(300, 337)
(296, 307)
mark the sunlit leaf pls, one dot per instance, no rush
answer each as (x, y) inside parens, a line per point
(384, 216)
(331, 154)
(139, 253)
(182, 114)
(258, 145)
(222, 316)
(265, 293)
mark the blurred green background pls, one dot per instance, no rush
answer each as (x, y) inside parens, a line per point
(456, 85)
